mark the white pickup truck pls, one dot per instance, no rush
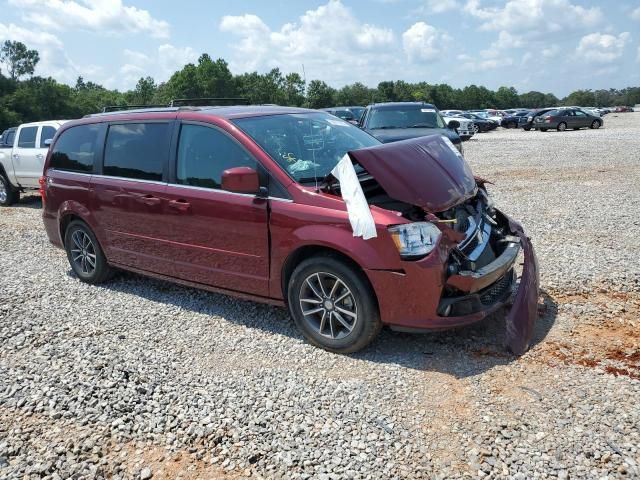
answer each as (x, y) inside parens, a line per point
(21, 164)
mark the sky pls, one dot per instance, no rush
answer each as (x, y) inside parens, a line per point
(552, 46)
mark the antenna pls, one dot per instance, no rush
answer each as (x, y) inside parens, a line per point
(304, 78)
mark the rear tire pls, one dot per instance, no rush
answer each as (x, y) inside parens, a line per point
(562, 127)
(333, 305)
(544, 129)
(526, 129)
(8, 193)
(85, 255)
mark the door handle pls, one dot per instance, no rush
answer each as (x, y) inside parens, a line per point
(39, 156)
(150, 200)
(16, 156)
(181, 205)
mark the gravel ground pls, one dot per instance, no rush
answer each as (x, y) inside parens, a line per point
(144, 379)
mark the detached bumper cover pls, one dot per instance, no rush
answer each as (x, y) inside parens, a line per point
(524, 312)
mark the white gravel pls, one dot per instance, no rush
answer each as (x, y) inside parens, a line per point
(145, 379)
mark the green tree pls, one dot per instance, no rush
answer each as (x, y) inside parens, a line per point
(320, 95)
(18, 59)
(144, 92)
(355, 94)
(507, 97)
(294, 89)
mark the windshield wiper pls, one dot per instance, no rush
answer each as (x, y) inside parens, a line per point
(421, 125)
(385, 127)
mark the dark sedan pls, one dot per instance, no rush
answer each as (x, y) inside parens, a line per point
(518, 119)
(483, 124)
(394, 121)
(563, 118)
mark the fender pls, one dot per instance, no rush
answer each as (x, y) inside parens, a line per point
(72, 207)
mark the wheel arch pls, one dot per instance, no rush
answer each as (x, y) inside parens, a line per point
(307, 251)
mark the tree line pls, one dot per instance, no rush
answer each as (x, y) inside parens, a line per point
(26, 98)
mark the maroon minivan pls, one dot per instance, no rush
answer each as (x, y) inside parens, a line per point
(247, 201)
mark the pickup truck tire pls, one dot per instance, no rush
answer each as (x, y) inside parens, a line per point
(333, 304)
(8, 193)
(85, 255)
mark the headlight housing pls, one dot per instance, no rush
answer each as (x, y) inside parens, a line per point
(415, 240)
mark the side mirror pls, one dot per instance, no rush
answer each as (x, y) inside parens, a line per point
(453, 124)
(241, 180)
(48, 142)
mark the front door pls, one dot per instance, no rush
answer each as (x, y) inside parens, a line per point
(129, 196)
(28, 160)
(218, 238)
(581, 119)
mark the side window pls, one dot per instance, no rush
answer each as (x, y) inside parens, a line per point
(47, 133)
(204, 153)
(75, 150)
(27, 137)
(580, 113)
(136, 150)
(10, 137)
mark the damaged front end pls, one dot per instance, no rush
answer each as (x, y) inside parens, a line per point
(426, 180)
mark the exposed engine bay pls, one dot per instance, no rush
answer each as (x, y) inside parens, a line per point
(485, 230)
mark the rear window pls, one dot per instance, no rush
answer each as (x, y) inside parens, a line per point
(75, 150)
(136, 150)
(8, 140)
(27, 137)
(47, 133)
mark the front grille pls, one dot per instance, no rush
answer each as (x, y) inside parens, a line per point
(497, 291)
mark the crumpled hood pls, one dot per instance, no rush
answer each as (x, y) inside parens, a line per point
(397, 134)
(427, 172)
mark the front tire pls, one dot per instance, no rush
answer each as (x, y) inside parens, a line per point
(8, 194)
(333, 305)
(85, 255)
(595, 124)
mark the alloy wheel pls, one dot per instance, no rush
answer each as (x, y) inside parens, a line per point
(83, 252)
(328, 305)
(3, 191)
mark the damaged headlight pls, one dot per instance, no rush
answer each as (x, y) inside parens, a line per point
(415, 240)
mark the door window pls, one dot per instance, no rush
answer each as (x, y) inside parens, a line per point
(578, 113)
(204, 153)
(136, 150)
(10, 136)
(27, 137)
(47, 133)
(75, 150)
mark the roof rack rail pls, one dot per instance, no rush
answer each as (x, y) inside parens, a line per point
(117, 108)
(209, 102)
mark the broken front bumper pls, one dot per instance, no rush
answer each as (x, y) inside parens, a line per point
(410, 300)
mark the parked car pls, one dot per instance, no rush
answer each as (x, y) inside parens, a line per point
(394, 121)
(465, 129)
(345, 113)
(532, 117)
(7, 137)
(265, 203)
(516, 120)
(481, 124)
(450, 113)
(21, 163)
(563, 118)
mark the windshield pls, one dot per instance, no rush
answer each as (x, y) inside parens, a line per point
(411, 116)
(306, 145)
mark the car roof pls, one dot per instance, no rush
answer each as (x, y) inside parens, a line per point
(46, 122)
(227, 112)
(400, 104)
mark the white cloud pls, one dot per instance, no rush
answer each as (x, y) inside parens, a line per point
(635, 14)
(331, 42)
(100, 16)
(160, 65)
(602, 47)
(533, 16)
(424, 42)
(473, 64)
(638, 55)
(551, 51)
(440, 6)
(54, 61)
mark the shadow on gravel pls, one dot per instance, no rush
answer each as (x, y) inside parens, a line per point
(461, 352)
(29, 201)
